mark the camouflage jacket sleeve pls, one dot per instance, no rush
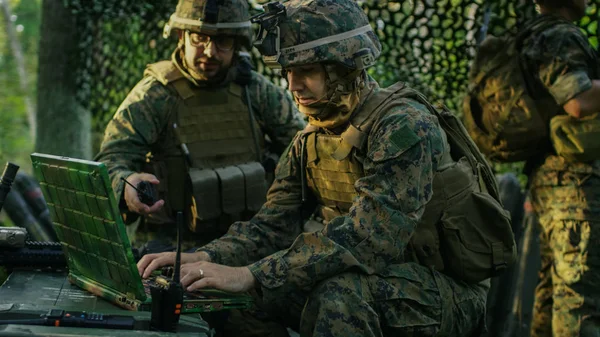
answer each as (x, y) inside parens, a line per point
(404, 148)
(135, 127)
(275, 226)
(564, 59)
(275, 111)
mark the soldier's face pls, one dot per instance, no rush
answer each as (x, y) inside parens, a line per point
(204, 55)
(307, 83)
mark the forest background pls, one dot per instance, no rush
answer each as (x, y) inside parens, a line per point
(65, 65)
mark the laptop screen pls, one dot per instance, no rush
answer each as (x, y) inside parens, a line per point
(88, 222)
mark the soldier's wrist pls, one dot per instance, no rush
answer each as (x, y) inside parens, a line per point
(203, 256)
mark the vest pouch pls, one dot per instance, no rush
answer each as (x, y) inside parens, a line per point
(425, 244)
(476, 237)
(207, 196)
(233, 194)
(447, 182)
(255, 185)
(576, 140)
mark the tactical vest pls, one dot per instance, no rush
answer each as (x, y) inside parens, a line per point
(463, 232)
(331, 172)
(216, 128)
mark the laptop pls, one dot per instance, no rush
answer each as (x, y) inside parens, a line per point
(89, 226)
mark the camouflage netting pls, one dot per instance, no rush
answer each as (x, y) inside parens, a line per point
(427, 43)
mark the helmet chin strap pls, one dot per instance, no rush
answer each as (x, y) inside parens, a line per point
(336, 106)
(336, 87)
(341, 83)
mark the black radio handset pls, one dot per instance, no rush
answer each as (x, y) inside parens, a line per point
(145, 191)
(167, 295)
(6, 180)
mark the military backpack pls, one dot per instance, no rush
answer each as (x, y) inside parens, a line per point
(465, 231)
(502, 112)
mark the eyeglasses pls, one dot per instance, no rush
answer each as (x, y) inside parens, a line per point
(223, 42)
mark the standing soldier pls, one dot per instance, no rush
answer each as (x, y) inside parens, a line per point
(565, 189)
(534, 97)
(203, 128)
(405, 219)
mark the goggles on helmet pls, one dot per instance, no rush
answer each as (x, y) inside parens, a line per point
(268, 37)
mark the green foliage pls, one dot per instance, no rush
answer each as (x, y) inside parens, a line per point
(15, 143)
(117, 39)
(516, 168)
(112, 8)
(428, 44)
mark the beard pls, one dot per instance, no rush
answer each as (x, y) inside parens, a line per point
(197, 75)
(213, 69)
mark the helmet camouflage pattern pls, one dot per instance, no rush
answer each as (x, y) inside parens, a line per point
(327, 30)
(211, 17)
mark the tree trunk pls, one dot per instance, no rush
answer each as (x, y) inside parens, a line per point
(17, 51)
(63, 125)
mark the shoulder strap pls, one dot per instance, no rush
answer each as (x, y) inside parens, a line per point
(360, 125)
(236, 89)
(460, 142)
(253, 121)
(374, 104)
(458, 138)
(164, 71)
(183, 88)
(244, 69)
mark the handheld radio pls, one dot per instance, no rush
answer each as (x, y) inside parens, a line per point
(8, 176)
(145, 191)
(167, 295)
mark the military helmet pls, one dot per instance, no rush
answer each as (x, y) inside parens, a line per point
(211, 17)
(313, 31)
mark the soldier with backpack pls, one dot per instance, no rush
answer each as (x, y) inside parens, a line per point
(535, 97)
(413, 228)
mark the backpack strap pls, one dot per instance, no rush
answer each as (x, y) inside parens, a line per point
(355, 136)
(374, 104)
(460, 142)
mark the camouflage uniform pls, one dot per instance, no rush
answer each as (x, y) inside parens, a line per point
(357, 276)
(566, 198)
(141, 127)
